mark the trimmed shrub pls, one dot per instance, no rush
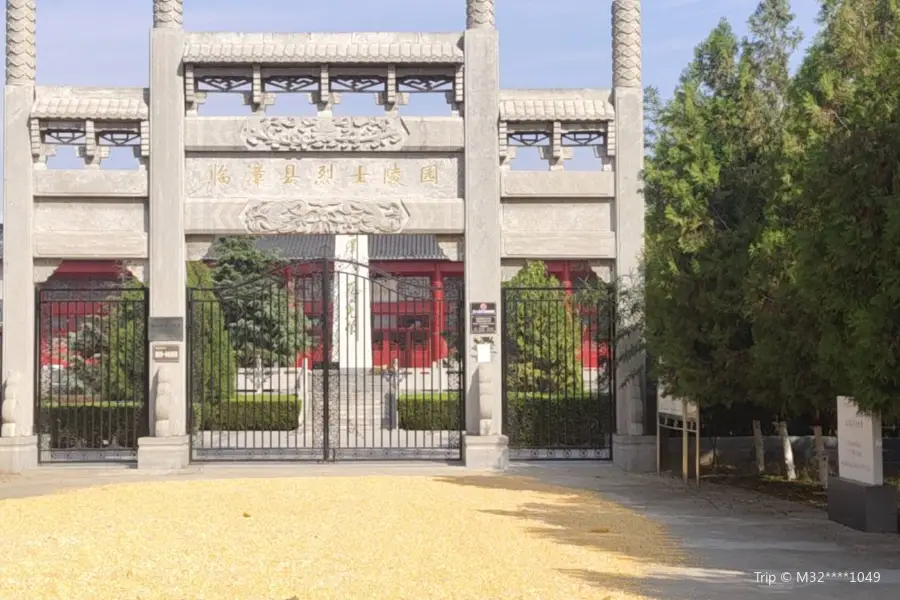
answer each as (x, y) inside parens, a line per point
(532, 420)
(574, 420)
(440, 412)
(93, 426)
(278, 414)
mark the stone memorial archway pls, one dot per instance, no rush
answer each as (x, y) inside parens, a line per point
(201, 177)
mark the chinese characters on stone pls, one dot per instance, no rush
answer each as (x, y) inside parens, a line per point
(257, 173)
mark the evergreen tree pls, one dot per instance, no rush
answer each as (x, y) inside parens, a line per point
(544, 334)
(264, 320)
(849, 238)
(213, 369)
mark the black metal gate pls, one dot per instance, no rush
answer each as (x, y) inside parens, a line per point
(558, 366)
(92, 370)
(325, 360)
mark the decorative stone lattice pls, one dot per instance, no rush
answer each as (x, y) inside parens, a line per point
(168, 13)
(326, 216)
(342, 134)
(21, 52)
(626, 25)
(480, 14)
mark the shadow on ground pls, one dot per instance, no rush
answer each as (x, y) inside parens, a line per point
(585, 519)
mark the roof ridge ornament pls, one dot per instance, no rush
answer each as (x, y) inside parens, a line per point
(626, 36)
(21, 51)
(480, 14)
(168, 14)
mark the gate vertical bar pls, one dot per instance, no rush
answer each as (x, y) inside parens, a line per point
(504, 365)
(613, 367)
(189, 364)
(327, 324)
(36, 396)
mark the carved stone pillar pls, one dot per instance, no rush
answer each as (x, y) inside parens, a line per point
(480, 14)
(21, 53)
(18, 444)
(626, 38)
(632, 450)
(168, 447)
(168, 14)
(483, 447)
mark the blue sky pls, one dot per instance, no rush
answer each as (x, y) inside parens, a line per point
(544, 43)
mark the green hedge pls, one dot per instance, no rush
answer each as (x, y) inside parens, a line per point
(425, 412)
(532, 420)
(264, 413)
(94, 425)
(88, 423)
(570, 421)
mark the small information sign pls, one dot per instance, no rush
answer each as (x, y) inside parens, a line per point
(166, 353)
(484, 318)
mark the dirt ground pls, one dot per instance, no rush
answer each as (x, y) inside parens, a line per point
(376, 537)
(804, 491)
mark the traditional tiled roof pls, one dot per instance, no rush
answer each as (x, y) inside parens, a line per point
(122, 104)
(555, 105)
(321, 48)
(381, 247)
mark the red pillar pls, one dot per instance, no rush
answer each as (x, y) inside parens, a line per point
(567, 277)
(437, 321)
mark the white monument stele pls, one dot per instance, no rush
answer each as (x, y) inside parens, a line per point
(859, 444)
(857, 497)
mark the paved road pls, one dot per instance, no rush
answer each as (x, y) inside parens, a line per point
(728, 534)
(733, 534)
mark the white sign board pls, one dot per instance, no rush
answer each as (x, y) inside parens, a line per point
(483, 352)
(666, 405)
(859, 444)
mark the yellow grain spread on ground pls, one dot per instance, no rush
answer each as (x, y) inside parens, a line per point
(341, 538)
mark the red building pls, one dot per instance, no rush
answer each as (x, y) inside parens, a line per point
(409, 320)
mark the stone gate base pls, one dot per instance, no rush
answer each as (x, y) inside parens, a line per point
(635, 453)
(486, 452)
(18, 454)
(164, 453)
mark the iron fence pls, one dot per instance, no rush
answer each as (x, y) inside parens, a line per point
(333, 362)
(558, 372)
(92, 370)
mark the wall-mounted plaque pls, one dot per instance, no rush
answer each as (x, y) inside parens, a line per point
(483, 318)
(166, 329)
(166, 353)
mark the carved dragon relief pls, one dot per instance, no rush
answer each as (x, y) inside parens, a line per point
(626, 22)
(326, 216)
(479, 13)
(168, 13)
(20, 41)
(339, 134)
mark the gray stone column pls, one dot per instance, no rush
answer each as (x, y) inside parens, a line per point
(635, 452)
(482, 242)
(18, 442)
(170, 449)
